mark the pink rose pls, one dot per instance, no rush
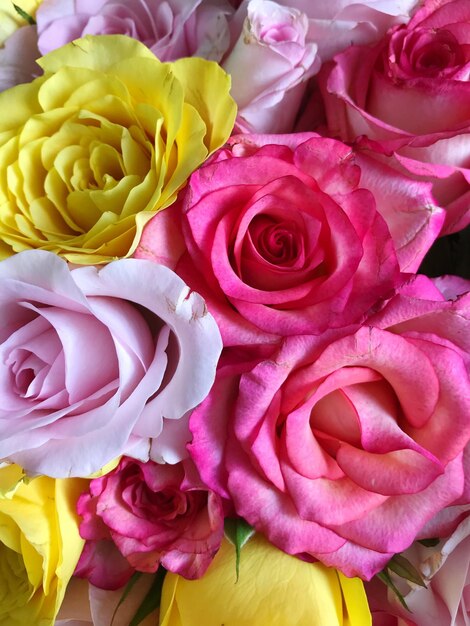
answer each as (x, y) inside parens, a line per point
(341, 447)
(445, 570)
(409, 97)
(171, 29)
(98, 362)
(284, 235)
(269, 64)
(141, 515)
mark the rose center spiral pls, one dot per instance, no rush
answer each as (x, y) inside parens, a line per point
(279, 243)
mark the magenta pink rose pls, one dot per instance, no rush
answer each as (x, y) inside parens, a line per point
(98, 362)
(171, 29)
(285, 235)
(408, 98)
(341, 447)
(141, 515)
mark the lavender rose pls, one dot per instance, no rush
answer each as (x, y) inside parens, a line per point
(98, 362)
(171, 29)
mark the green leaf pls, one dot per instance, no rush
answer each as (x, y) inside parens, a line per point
(403, 568)
(151, 602)
(24, 15)
(429, 543)
(238, 532)
(133, 579)
(384, 576)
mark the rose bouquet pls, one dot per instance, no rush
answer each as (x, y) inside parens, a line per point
(235, 313)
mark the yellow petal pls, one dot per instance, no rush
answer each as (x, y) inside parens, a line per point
(40, 524)
(9, 533)
(273, 588)
(15, 590)
(207, 90)
(67, 493)
(21, 102)
(355, 600)
(11, 477)
(95, 52)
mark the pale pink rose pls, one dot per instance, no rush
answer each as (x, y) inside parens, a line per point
(97, 362)
(289, 234)
(18, 58)
(170, 28)
(86, 605)
(407, 100)
(269, 64)
(141, 515)
(384, 612)
(277, 46)
(341, 447)
(445, 570)
(336, 24)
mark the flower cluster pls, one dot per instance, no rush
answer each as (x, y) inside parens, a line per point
(234, 361)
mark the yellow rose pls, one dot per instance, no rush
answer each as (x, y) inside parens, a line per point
(10, 20)
(273, 589)
(92, 149)
(39, 546)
